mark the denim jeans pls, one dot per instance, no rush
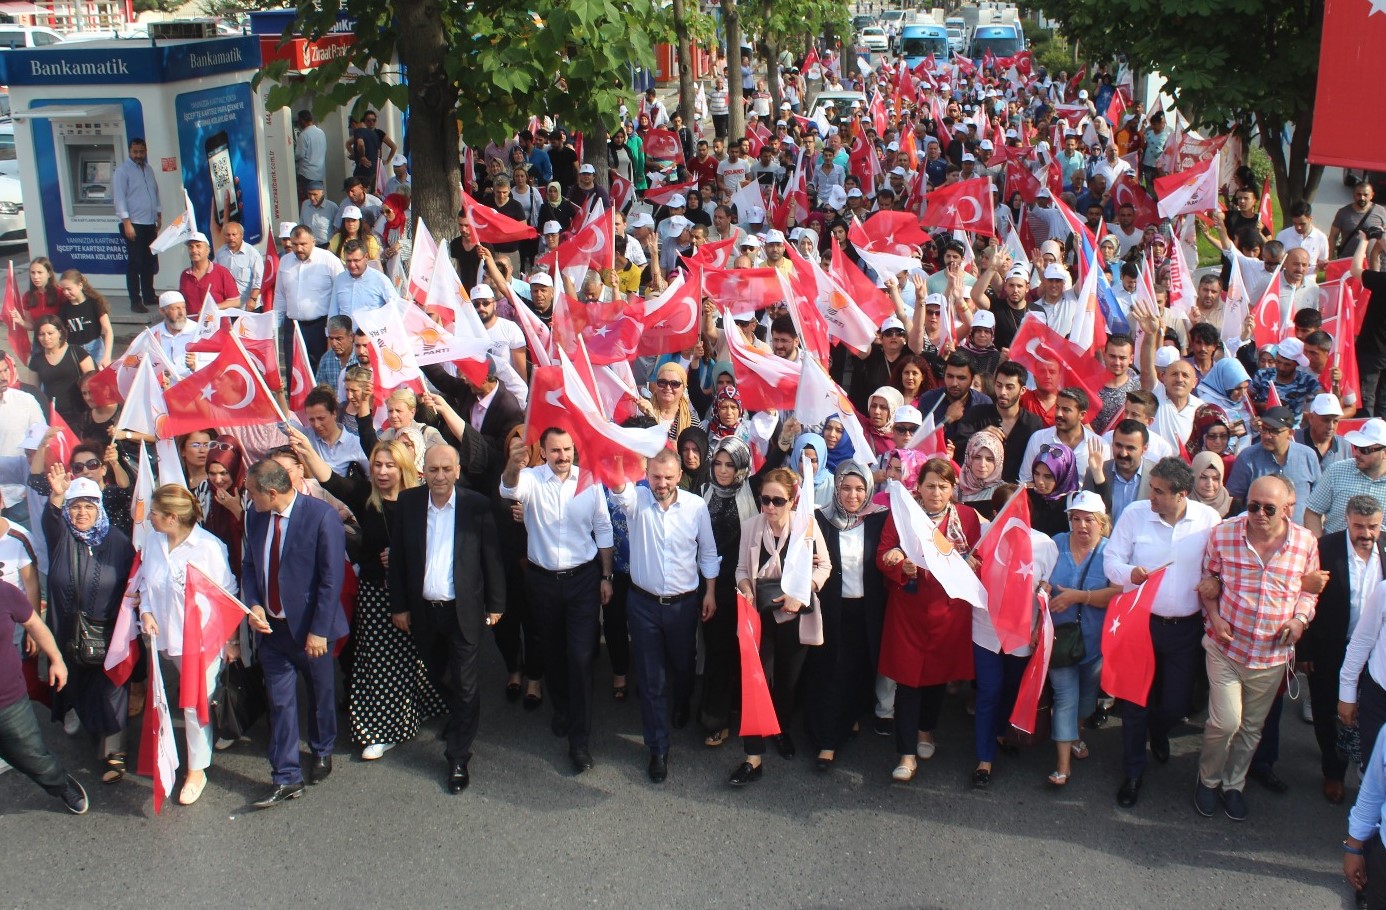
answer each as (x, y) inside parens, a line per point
(22, 746)
(1075, 696)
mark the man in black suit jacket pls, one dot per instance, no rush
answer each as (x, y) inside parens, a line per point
(1321, 649)
(448, 581)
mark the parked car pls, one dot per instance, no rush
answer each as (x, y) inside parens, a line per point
(9, 163)
(955, 40)
(873, 38)
(12, 229)
(13, 36)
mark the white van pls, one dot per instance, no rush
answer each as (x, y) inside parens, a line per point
(13, 36)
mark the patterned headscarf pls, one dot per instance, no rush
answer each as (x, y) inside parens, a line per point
(839, 517)
(94, 535)
(717, 430)
(1058, 458)
(969, 484)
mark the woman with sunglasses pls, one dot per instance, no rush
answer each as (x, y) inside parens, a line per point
(1055, 475)
(89, 564)
(669, 400)
(784, 633)
(102, 466)
(926, 642)
(225, 475)
(730, 502)
(842, 672)
(59, 367)
(194, 449)
(1212, 432)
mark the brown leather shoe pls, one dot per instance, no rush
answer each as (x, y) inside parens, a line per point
(1333, 791)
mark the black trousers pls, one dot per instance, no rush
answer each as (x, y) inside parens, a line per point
(141, 266)
(841, 675)
(1373, 402)
(916, 711)
(1323, 699)
(1371, 714)
(566, 608)
(517, 634)
(452, 665)
(721, 661)
(783, 657)
(1178, 655)
(614, 628)
(1376, 873)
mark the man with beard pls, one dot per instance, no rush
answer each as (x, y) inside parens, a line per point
(1122, 479)
(1017, 424)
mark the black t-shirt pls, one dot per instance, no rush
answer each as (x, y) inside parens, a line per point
(1372, 340)
(1008, 318)
(870, 374)
(564, 163)
(467, 261)
(979, 417)
(83, 321)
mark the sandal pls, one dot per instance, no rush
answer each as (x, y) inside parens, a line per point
(115, 768)
(718, 737)
(618, 693)
(1057, 779)
(1080, 750)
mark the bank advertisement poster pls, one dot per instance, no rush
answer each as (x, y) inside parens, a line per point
(216, 144)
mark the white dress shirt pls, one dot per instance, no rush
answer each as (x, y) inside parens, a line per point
(442, 526)
(670, 547)
(246, 265)
(173, 343)
(566, 528)
(1174, 426)
(284, 522)
(1142, 539)
(1367, 647)
(303, 288)
(851, 546)
(18, 412)
(163, 572)
(1050, 436)
(1364, 577)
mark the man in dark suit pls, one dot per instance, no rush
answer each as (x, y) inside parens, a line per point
(1355, 560)
(291, 575)
(449, 584)
(1123, 478)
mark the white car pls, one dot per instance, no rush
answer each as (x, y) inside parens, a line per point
(12, 229)
(873, 38)
(955, 40)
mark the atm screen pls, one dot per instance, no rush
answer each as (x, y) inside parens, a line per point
(96, 172)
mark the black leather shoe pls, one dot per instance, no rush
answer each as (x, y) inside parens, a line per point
(680, 719)
(1160, 749)
(785, 743)
(281, 794)
(823, 765)
(659, 766)
(1130, 792)
(744, 774)
(319, 769)
(981, 778)
(559, 725)
(512, 692)
(1270, 780)
(884, 726)
(581, 759)
(458, 778)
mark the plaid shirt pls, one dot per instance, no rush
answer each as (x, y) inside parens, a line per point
(1258, 598)
(1293, 394)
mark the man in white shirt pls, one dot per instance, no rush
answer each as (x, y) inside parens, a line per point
(18, 412)
(1058, 303)
(244, 262)
(310, 153)
(303, 292)
(1125, 230)
(1070, 412)
(671, 545)
(174, 332)
(508, 348)
(569, 534)
(1301, 234)
(360, 287)
(735, 171)
(333, 444)
(1166, 530)
(1174, 420)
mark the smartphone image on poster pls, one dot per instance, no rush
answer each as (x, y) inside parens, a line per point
(218, 150)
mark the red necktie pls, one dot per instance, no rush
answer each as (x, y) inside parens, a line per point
(274, 606)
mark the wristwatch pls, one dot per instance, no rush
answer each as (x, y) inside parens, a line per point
(608, 578)
(1302, 618)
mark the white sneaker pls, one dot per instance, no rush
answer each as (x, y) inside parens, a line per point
(4, 766)
(221, 745)
(375, 751)
(71, 725)
(925, 750)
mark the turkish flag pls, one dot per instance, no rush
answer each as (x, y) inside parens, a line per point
(158, 750)
(757, 708)
(1128, 657)
(104, 387)
(1268, 213)
(263, 351)
(742, 290)
(801, 294)
(210, 617)
(844, 319)
(764, 380)
(1020, 180)
(1127, 191)
(1353, 31)
(490, 226)
(122, 653)
(1027, 699)
(1270, 325)
(663, 145)
(871, 299)
(610, 330)
(1191, 190)
(672, 320)
(962, 206)
(228, 392)
(1040, 349)
(621, 190)
(1008, 572)
(890, 232)
(1116, 108)
(660, 195)
(64, 441)
(1344, 349)
(301, 379)
(15, 333)
(719, 254)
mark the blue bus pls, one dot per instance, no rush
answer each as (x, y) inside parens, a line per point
(919, 40)
(1001, 40)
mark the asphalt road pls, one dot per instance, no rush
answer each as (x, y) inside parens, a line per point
(528, 833)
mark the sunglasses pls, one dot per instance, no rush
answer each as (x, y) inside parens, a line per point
(893, 333)
(778, 502)
(1256, 508)
(906, 428)
(669, 383)
(1370, 450)
(91, 464)
(220, 446)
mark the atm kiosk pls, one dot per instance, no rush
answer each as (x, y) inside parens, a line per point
(77, 106)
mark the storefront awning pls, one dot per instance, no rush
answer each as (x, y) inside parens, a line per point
(22, 8)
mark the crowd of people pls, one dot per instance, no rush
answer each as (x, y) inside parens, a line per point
(1169, 457)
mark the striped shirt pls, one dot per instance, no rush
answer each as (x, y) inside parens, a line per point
(1339, 483)
(1259, 597)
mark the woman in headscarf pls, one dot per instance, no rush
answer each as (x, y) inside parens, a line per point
(1055, 475)
(817, 449)
(842, 673)
(880, 418)
(394, 213)
(1213, 432)
(729, 502)
(1209, 470)
(1225, 385)
(981, 470)
(898, 464)
(225, 474)
(693, 455)
(556, 207)
(727, 415)
(927, 639)
(669, 399)
(88, 566)
(840, 448)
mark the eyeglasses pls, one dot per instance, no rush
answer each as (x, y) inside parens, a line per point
(1256, 508)
(1369, 450)
(199, 445)
(91, 464)
(778, 502)
(1217, 436)
(669, 383)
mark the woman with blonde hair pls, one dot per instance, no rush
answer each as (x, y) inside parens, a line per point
(179, 541)
(400, 420)
(669, 399)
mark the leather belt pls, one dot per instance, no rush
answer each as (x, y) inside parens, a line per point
(439, 604)
(1174, 620)
(663, 600)
(563, 573)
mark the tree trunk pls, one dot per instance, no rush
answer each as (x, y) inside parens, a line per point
(731, 21)
(594, 152)
(423, 51)
(1295, 177)
(685, 58)
(771, 48)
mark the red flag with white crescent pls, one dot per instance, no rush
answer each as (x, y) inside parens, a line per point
(962, 206)
(15, 333)
(1027, 699)
(1008, 572)
(1128, 657)
(228, 392)
(490, 226)
(757, 707)
(210, 617)
(301, 379)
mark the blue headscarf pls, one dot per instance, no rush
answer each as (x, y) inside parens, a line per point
(1058, 458)
(94, 535)
(1225, 375)
(844, 450)
(823, 480)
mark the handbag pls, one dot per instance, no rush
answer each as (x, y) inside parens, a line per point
(89, 636)
(769, 590)
(1069, 649)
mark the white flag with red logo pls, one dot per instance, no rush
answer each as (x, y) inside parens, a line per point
(421, 262)
(158, 748)
(929, 549)
(145, 411)
(228, 392)
(845, 320)
(121, 654)
(141, 500)
(1192, 190)
(391, 347)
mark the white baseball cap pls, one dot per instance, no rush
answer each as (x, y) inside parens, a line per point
(750, 240)
(1371, 433)
(1292, 349)
(286, 229)
(1166, 356)
(908, 413)
(678, 224)
(968, 156)
(937, 300)
(677, 201)
(640, 220)
(199, 237)
(892, 322)
(482, 292)
(985, 144)
(1085, 501)
(552, 227)
(400, 161)
(543, 279)
(984, 319)
(82, 488)
(587, 169)
(1054, 271)
(774, 236)
(854, 193)
(351, 211)
(898, 172)
(1326, 404)
(755, 214)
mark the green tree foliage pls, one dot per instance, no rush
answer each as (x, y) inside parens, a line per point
(1232, 64)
